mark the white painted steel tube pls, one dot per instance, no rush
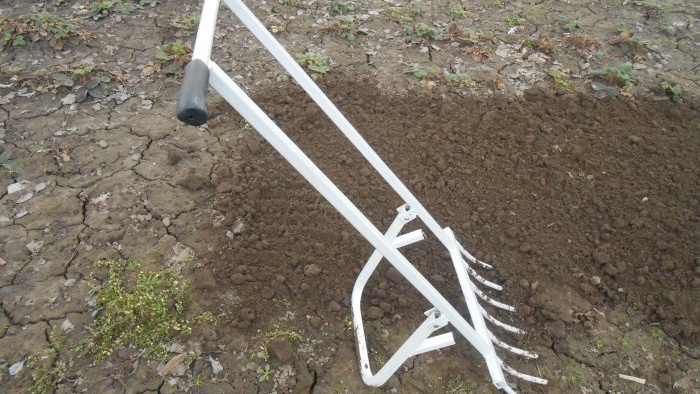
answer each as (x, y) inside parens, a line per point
(205, 31)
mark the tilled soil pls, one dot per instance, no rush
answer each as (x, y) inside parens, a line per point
(580, 189)
(586, 208)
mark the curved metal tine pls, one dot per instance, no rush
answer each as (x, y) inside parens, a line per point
(480, 278)
(491, 301)
(499, 323)
(510, 348)
(473, 259)
(520, 375)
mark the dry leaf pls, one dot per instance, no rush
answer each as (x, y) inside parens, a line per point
(172, 364)
(621, 38)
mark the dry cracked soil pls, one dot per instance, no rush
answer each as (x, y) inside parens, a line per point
(557, 139)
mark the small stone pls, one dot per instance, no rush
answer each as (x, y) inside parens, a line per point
(239, 227)
(253, 144)
(103, 143)
(595, 280)
(386, 307)
(437, 278)
(634, 139)
(315, 321)
(166, 221)
(70, 282)
(312, 270)
(524, 283)
(238, 279)
(34, 246)
(67, 326)
(393, 274)
(224, 187)
(216, 366)
(267, 293)
(229, 234)
(684, 385)
(525, 248)
(334, 306)
(204, 279)
(601, 257)
(374, 313)
(610, 269)
(305, 287)
(246, 314)
(68, 99)
(280, 350)
(16, 368)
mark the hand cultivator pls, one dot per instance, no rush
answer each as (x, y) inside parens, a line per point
(192, 109)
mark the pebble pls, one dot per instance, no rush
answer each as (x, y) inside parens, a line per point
(67, 326)
(239, 227)
(595, 280)
(634, 139)
(685, 384)
(393, 274)
(267, 293)
(374, 313)
(16, 368)
(70, 282)
(334, 306)
(246, 314)
(315, 321)
(238, 279)
(166, 221)
(601, 257)
(103, 144)
(312, 270)
(280, 350)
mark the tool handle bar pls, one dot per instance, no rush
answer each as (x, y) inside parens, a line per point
(192, 102)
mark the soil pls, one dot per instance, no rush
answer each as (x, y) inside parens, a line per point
(583, 198)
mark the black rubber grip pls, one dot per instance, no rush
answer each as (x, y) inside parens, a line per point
(192, 103)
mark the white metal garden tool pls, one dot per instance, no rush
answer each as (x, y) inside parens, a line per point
(192, 109)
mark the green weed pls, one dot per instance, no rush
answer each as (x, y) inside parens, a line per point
(265, 373)
(315, 63)
(625, 343)
(561, 80)
(8, 165)
(137, 309)
(344, 27)
(341, 8)
(49, 368)
(104, 8)
(513, 22)
(459, 386)
(187, 22)
(395, 14)
(42, 26)
(421, 30)
(541, 44)
(457, 11)
(175, 53)
(656, 333)
(621, 75)
(568, 25)
(674, 91)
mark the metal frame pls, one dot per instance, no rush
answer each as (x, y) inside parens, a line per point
(386, 245)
